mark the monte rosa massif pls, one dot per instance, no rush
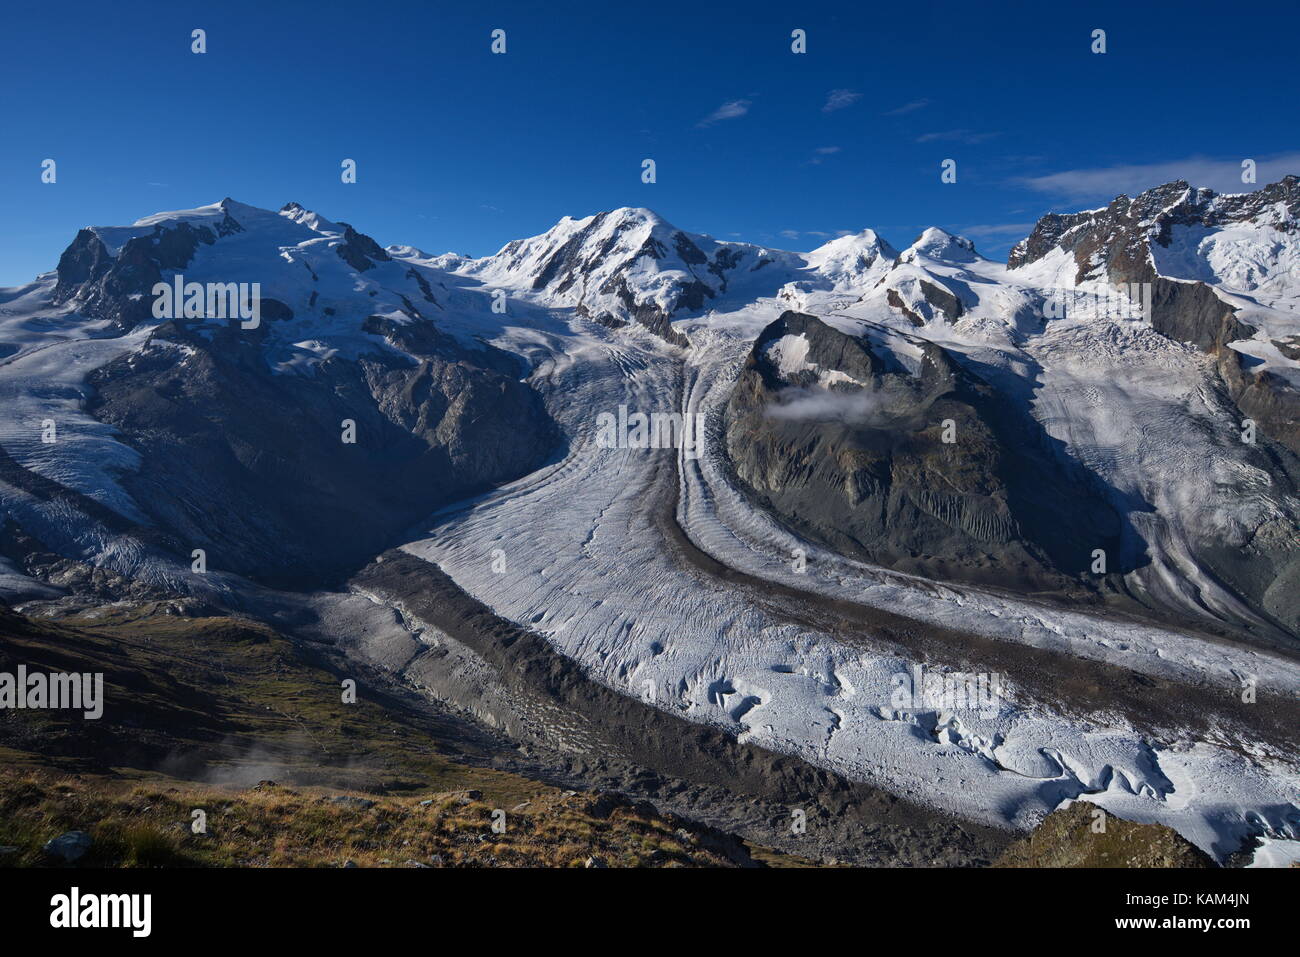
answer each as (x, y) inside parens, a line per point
(1069, 478)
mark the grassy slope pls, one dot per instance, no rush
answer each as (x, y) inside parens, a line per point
(197, 710)
(148, 824)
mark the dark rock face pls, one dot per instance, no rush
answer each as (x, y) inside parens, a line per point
(864, 467)
(1114, 244)
(896, 301)
(253, 468)
(1265, 569)
(360, 251)
(942, 300)
(659, 321)
(1192, 313)
(1289, 347)
(86, 260)
(119, 288)
(687, 251)
(1263, 396)
(425, 289)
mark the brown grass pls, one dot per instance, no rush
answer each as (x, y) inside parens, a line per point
(148, 825)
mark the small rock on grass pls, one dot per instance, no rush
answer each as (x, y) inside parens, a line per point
(353, 801)
(69, 847)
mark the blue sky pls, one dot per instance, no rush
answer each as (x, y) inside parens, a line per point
(458, 149)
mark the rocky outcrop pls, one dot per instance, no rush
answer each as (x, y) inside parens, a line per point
(360, 251)
(926, 471)
(1083, 835)
(942, 300)
(653, 316)
(896, 301)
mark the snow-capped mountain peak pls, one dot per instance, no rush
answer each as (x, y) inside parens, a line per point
(862, 240)
(856, 260)
(306, 217)
(630, 265)
(547, 260)
(940, 245)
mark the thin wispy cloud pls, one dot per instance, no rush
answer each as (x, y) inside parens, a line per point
(955, 136)
(822, 152)
(907, 108)
(998, 229)
(1107, 182)
(727, 111)
(839, 99)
